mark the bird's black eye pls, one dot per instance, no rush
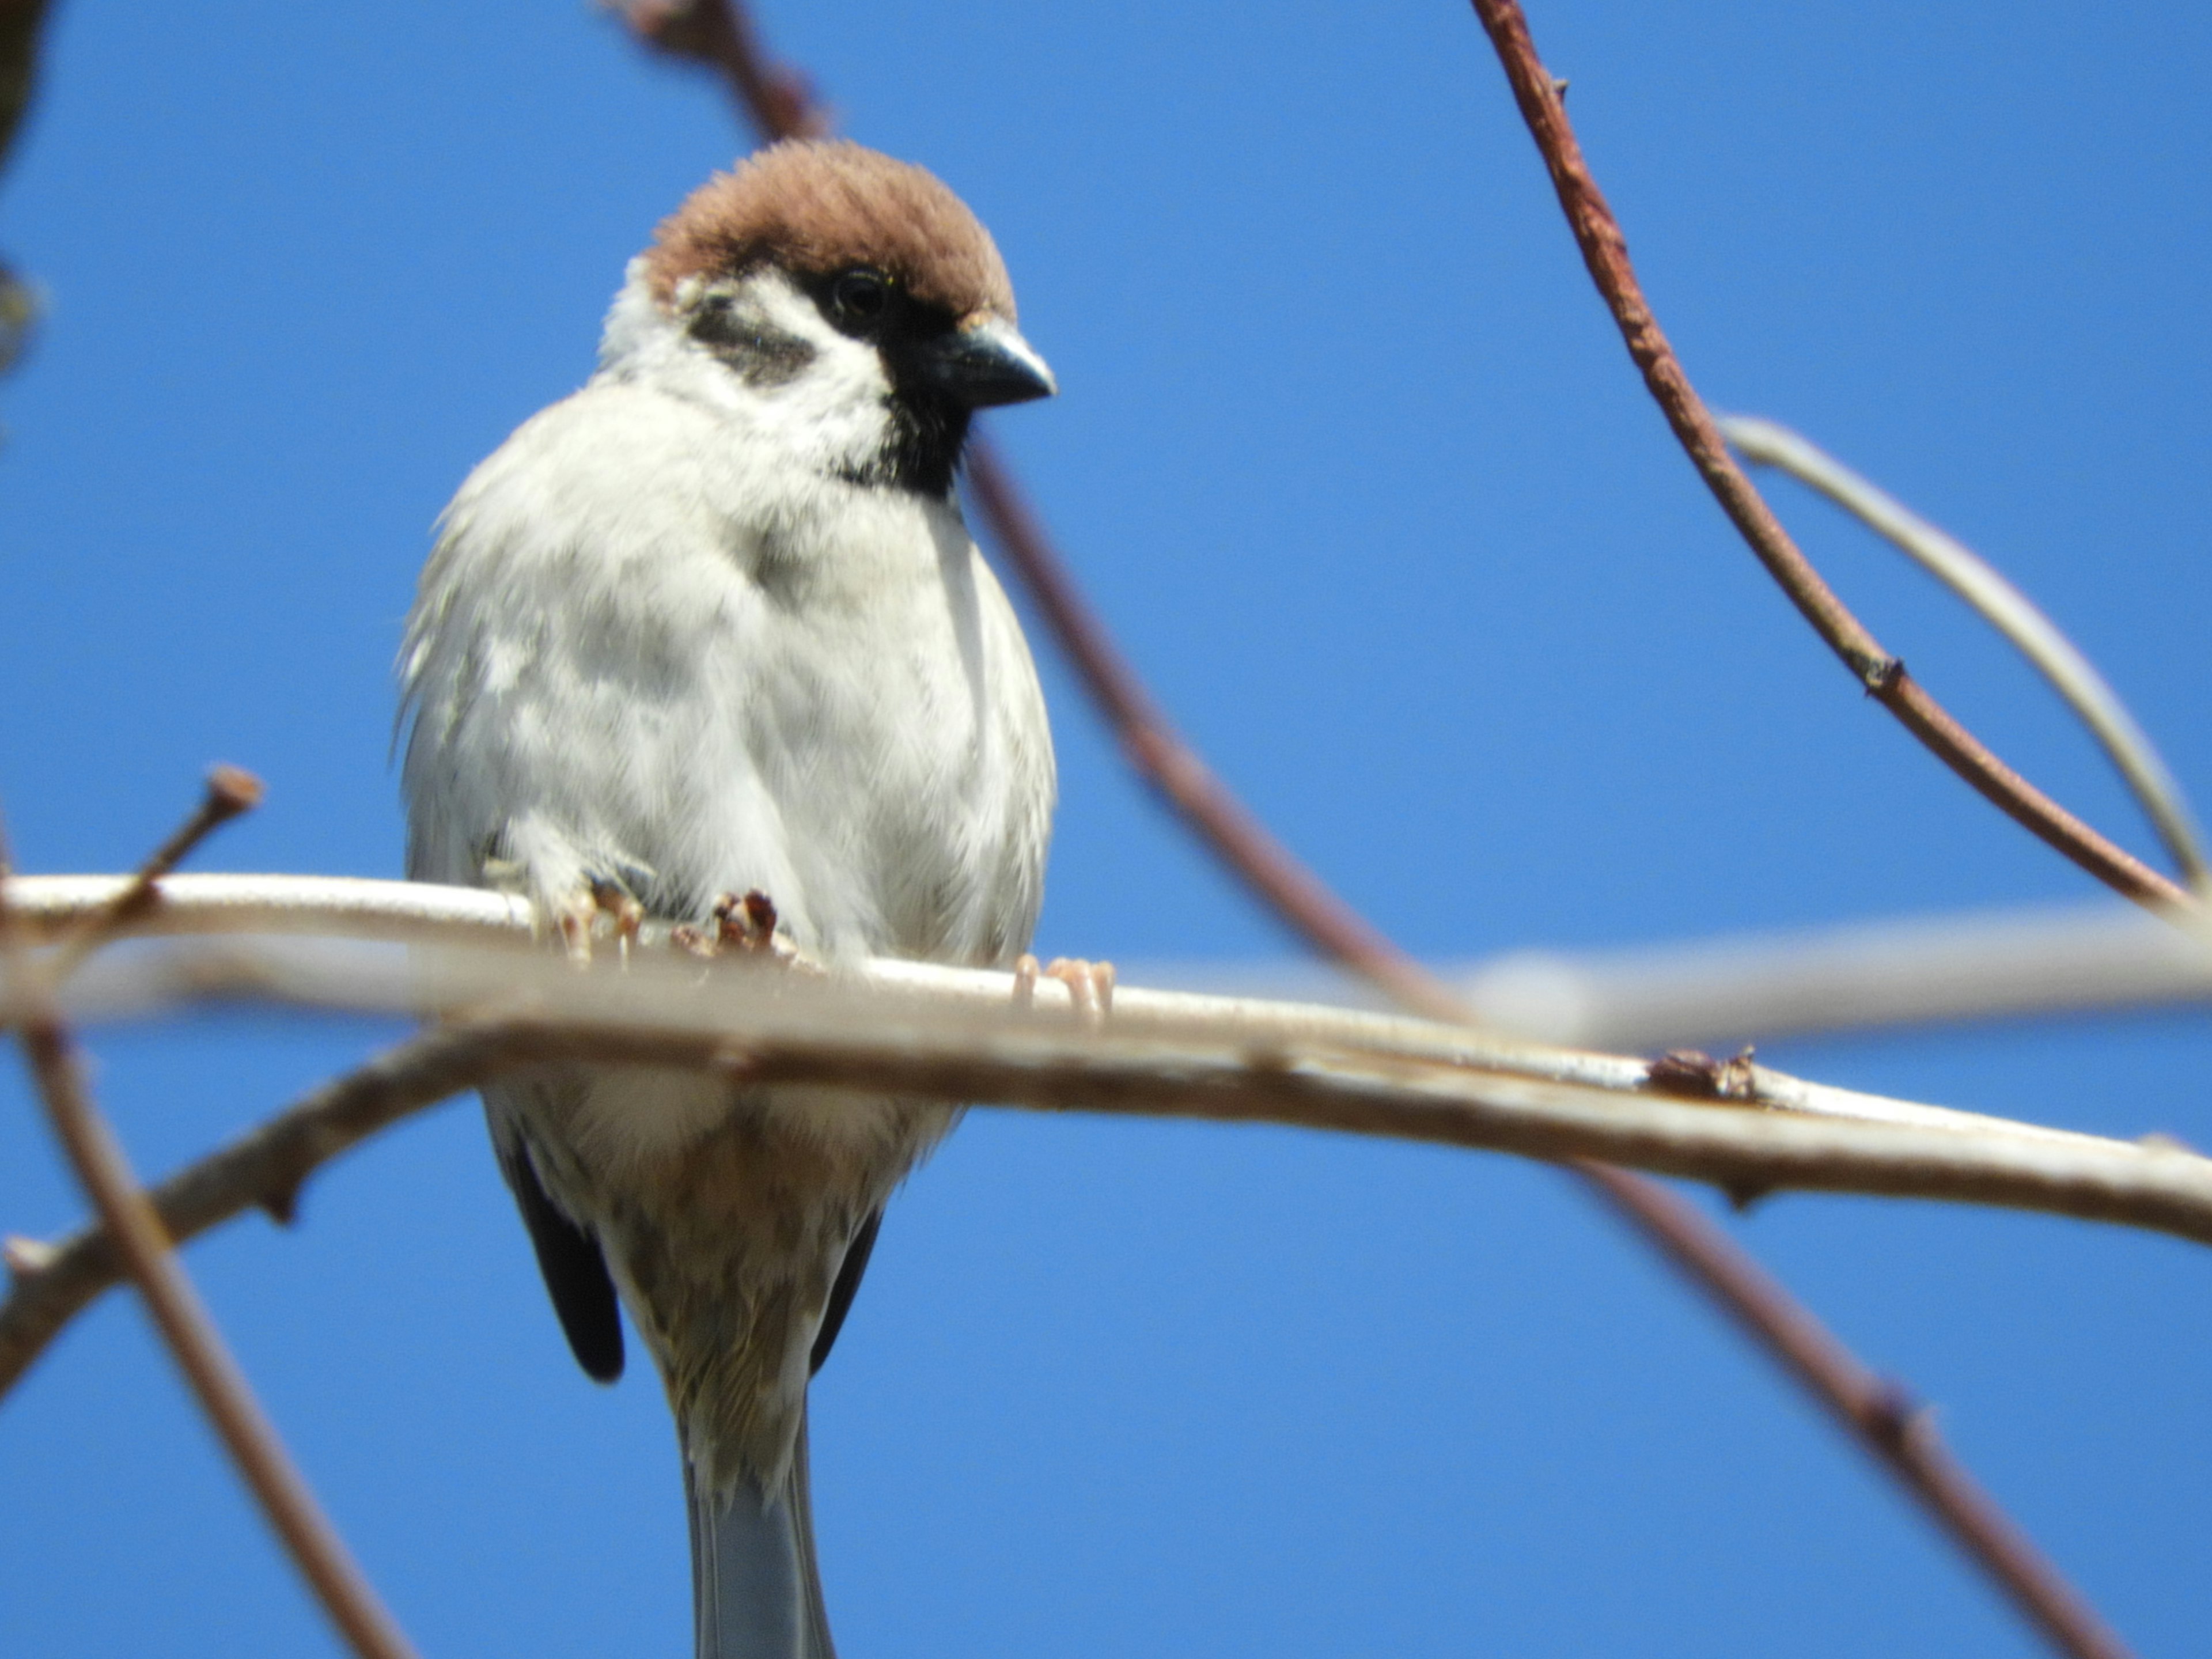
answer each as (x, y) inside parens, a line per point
(860, 300)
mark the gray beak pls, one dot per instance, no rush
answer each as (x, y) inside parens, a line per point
(982, 365)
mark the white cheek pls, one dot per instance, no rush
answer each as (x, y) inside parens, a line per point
(835, 405)
(829, 418)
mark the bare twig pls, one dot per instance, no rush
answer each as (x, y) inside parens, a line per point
(132, 1221)
(955, 1035)
(1605, 252)
(2033, 1583)
(469, 955)
(1996, 965)
(1967, 966)
(262, 1169)
(775, 98)
(21, 21)
(247, 1433)
(230, 792)
(2006, 609)
(1158, 754)
(1881, 1414)
(1301, 901)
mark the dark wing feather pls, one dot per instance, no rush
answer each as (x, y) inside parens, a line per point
(575, 1273)
(841, 1293)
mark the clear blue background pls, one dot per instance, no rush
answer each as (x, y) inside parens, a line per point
(1353, 461)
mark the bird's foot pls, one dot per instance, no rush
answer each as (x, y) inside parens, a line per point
(745, 923)
(1090, 986)
(578, 917)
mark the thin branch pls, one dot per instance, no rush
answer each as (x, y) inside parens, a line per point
(264, 1169)
(2033, 1583)
(774, 98)
(1876, 975)
(1883, 1415)
(1605, 252)
(21, 21)
(247, 1435)
(2006, 609)
(469, 953)
(1157, 753)
(229, 793)
(957, 1035)
(1984, 965)
(130, 1221)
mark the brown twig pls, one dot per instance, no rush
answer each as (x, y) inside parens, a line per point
(776, 100)
(182, 1318)
(265, 1170)
(1158, 754)
(21, 21)
(1300, 900)
(230, 793)
(1605, 252)
(1880, 1412)
(20, 24)
(1968, 1513)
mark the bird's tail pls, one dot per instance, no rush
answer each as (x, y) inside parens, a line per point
(755, 1590)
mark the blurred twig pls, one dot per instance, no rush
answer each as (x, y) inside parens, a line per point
(1884, 1415)
(773, 96)
(19, 310)
(20, 24)
(132, 1221)
(2003, 964)
(229, 793)
(2005, 608)
(264, 1168)
(1158, 754)
(1962, 966)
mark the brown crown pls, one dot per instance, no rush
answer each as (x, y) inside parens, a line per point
(815, 206)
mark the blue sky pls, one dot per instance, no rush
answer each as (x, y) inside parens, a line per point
(1352, 460)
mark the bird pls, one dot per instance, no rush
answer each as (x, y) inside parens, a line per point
(708, 643)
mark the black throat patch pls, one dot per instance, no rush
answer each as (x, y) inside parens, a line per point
(920, 451)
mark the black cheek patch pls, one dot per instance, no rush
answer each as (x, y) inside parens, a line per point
(764, 355)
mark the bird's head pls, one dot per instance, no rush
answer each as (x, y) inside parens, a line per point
(851, 299)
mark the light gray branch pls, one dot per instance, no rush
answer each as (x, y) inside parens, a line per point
(1864, 975)
(2005, 608)
(957, 1035)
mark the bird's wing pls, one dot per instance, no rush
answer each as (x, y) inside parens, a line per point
(841, 1293)
(568, 1255)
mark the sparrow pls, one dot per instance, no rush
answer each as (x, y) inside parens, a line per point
(714, 626)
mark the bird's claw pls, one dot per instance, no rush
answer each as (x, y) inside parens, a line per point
(745, 923)
(578, 918)
(1090, 986)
